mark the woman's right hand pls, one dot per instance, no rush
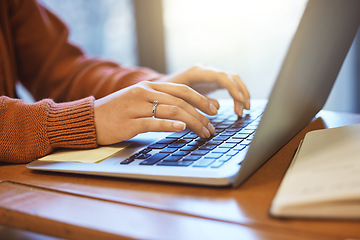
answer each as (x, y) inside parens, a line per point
(204, 77)
(128, 112)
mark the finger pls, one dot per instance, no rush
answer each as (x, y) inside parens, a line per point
(214, 102)
(200, 125)
(238, 108)
(165, 99)
(146, 95)
(163, 125)
(195, 121)
(244, 90)
(188, 95)
(227, 81)
(206, 87)
(170, 107)
(159, 125)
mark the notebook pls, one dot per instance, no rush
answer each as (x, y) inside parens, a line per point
(323, 178)
(314, 58)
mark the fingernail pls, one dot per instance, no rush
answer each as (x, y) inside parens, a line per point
(239, 111)
(179, 125)
(213, 109)
(211, 128)
(206, 132)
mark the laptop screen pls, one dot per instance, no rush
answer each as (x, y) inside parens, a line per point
(313, 61)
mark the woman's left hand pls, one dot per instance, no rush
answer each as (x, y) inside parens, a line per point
(201, 74)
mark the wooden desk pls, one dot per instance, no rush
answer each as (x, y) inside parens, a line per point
(87, 207)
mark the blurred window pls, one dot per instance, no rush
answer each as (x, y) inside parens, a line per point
(249, 38)
(103, 28)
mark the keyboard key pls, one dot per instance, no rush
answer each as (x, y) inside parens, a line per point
(218, 120)
(172, 158)
(146, 150)
(200, 152)
(154, 159)
(201, 139)
(233, 129)
(240, 124)
(192, 158)
(127, 161)
(234, 140)
(168, 150)
(183, 141)
(158, 146)
(230, 121)
(188, 148)
(232, 152)
(251, 137)
(166, 141)
(239, 147)
(220, 150)
(143, 156)
(190, 136)
(204, 162)
(217, 164)
(240, 155)
(214, 155)
(227, 133)
(224, 158)
(178, 135)
(223, 126)
(180, 153)
(207, 147)
(246, 131)
(218, 131)
(197, 142)
(246, 142)
(176, 145)
(227, 145)
(212, 142)
(176, 164)
(251, 127)
(241, 135)
(221, 138)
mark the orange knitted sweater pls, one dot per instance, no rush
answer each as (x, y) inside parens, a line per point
(34, 50)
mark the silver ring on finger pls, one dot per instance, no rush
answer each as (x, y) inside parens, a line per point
(154, 108)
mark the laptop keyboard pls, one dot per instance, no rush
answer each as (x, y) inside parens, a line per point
(185, 149)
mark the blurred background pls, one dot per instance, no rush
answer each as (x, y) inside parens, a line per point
(249, 38)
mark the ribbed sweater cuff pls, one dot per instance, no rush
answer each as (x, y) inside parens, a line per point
(71, 124)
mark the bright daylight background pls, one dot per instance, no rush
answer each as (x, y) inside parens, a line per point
(249, 38)
(246, 37)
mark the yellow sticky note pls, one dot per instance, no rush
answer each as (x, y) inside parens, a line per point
(84, 156)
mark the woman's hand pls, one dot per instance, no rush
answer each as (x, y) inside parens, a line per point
(128, 112)
(202, 77)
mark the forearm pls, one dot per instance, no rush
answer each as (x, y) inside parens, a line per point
(49, 66)
(30, 131)
(99, 78)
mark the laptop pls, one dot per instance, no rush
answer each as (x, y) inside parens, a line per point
(242, 145)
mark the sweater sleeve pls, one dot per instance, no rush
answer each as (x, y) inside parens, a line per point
(50, 66)
(30, 131)
(60, 77)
